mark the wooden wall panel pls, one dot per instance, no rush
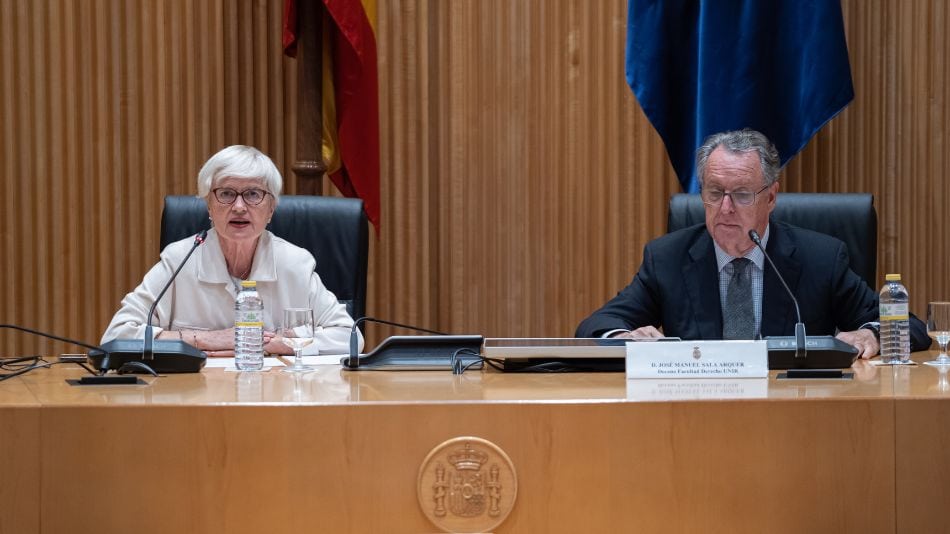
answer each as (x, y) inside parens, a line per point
(108, 106)
(518, 169)
(892, 140)
(520, 179)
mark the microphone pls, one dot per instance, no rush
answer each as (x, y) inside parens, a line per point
(165, 355)
(829, 354)
(147, 353)
(438, 351)
(800, 347)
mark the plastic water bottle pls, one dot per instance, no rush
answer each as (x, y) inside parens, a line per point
(895, 321)
(249, 328)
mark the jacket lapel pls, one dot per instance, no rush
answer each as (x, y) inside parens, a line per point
(212, 268)
(699, 276)
(778, 310)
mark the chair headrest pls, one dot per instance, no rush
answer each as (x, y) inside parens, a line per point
(333, 229)
(850, 217)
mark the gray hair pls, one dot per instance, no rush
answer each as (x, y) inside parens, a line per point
(239, 161)
(745, 140)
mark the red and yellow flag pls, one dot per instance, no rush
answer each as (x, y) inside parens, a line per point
(350, 94)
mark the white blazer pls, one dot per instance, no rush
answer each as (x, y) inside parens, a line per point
(202, 297)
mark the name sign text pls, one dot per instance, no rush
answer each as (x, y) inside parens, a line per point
(698, 359)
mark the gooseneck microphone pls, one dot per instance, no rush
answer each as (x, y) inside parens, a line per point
(147, 353)
(163, 355)
(801, 349)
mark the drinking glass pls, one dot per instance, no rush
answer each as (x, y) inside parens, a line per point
(296, 331)
(938, 327)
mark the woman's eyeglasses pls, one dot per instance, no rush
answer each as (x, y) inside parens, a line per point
(252, 197)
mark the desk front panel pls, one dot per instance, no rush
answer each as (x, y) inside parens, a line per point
(922, 414)
(339, 451)
(732, 466)
(19, 469)
(19, 458)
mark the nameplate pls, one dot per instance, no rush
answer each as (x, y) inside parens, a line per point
(698, 359)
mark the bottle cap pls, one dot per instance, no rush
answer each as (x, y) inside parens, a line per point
(893, 277)
(252, 283)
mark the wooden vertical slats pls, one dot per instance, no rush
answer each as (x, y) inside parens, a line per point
(891, 141)
(13, 293)
(107, 106)
(520, 179)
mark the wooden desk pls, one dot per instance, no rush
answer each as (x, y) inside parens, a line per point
(333, 451)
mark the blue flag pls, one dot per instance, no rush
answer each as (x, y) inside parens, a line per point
(701, 67)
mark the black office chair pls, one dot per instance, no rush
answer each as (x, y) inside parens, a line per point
(850, 217)
(333, 229)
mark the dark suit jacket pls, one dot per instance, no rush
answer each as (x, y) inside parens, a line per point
(677, 288)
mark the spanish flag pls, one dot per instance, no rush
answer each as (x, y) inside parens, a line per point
(350, 96)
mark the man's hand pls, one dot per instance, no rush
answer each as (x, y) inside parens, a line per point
(640, 333)
(863, 340)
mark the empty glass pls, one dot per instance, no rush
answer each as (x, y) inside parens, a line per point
(296, 331)
(938, 327)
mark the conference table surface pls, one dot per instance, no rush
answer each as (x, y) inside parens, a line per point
(331, 384)
(340, 451)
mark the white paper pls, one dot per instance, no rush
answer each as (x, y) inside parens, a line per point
(228, 363)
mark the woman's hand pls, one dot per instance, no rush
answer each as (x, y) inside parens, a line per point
(215, 343)
(220, 343)
(273, 344)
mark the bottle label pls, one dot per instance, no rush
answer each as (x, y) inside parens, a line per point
(248, 318)
(894, 312)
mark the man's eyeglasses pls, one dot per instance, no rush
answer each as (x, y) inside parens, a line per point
(713, 197)
(252, 197)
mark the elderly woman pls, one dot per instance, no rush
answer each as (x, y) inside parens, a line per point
(241, 187)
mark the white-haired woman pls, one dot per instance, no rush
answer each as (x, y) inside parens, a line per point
(241, 187)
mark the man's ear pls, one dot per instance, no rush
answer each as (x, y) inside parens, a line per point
(773, 194)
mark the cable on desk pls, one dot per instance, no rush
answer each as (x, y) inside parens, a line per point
(456, 363)
(24, 364)
(20, 365)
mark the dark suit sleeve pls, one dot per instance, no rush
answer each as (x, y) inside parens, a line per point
(853, 302)
(635, 306)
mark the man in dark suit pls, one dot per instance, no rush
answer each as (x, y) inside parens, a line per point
(711, 282)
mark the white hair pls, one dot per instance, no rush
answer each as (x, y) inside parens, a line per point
(239, 161)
